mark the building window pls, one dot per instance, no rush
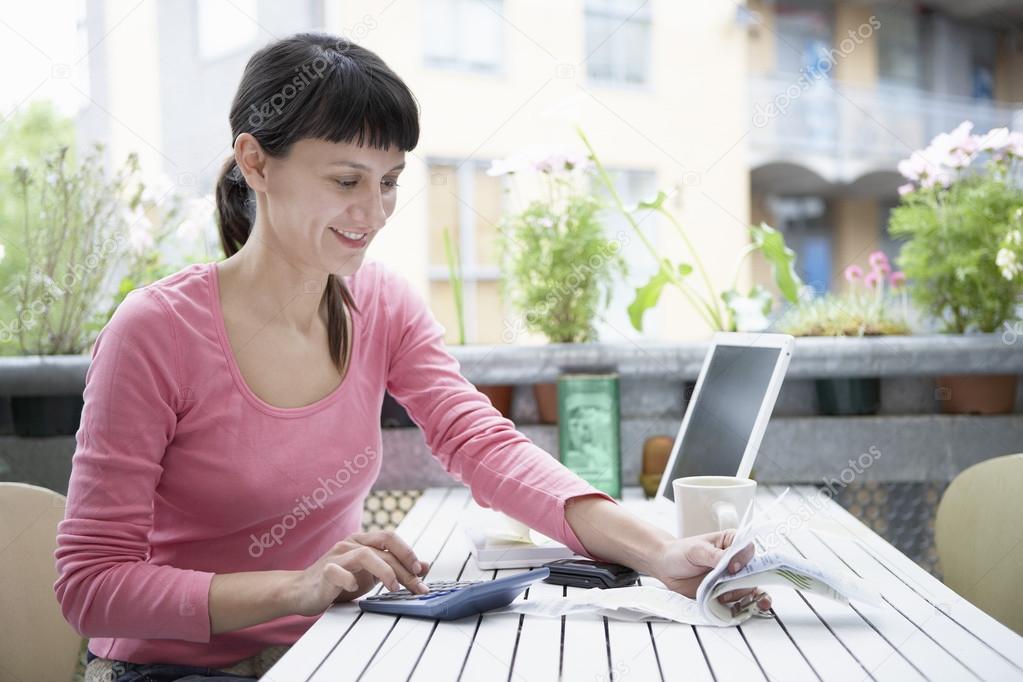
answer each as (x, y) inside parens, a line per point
(466, 34)
(804, 37)
(898, 46)
(618, 41)
(806, 223)
(225, 26)
(468, 202)
(632, 186)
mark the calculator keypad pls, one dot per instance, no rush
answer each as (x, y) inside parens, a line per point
(437, 588)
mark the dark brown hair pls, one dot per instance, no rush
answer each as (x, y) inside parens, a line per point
(319, 86)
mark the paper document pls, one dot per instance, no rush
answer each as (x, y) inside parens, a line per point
(642, 603)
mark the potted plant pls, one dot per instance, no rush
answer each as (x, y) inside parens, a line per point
(961, 214)
(79, 230)
(558, 265)
(727, 310)
(865, 309)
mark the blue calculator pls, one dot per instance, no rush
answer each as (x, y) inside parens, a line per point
(451, 599)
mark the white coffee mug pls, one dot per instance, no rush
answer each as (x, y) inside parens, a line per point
(705, 504)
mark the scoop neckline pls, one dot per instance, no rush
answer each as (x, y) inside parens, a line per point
(236, 373)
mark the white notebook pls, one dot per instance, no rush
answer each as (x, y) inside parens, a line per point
(497, 541)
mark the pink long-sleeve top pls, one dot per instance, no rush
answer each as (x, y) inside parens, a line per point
(182, 472)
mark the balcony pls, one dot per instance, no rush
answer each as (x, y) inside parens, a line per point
(838, 134)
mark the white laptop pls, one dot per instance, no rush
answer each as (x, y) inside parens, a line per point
(728, 412)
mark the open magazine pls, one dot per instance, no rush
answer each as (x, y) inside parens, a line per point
(643, 603)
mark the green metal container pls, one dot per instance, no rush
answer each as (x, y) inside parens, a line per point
(588, 429)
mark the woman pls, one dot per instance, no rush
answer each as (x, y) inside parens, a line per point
(231, 423)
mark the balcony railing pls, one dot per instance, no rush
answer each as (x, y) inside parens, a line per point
(855, 129)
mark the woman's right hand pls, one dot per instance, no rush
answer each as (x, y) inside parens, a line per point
(353, 567)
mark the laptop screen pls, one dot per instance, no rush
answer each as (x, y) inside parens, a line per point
(724, 415)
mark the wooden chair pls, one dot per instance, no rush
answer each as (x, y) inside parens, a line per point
(978, 532)
(36, 643)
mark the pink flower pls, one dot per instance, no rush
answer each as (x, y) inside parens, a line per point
(906, 189)
(897, 279)
(878, 259)
(915, 167)
(853, 273)
(954, 149)
(873, 279)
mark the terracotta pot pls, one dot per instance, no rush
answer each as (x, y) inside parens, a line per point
(500, 396)
(977, 394)
(656, 451)
(546, 396)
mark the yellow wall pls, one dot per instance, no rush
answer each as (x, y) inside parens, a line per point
(856, 235)
(691, 119)
(1009, 70)
(858, 65)
(763, 42)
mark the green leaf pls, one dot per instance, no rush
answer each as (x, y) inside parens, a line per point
(648, 294)
(654, 203)
(771, 243)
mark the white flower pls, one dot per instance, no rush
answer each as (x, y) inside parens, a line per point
(140, 230)
(906, 189)
(995, 140)
(198, 220)
(1014, 144)
(154, 191)
(1007, 263)
(954, 149)
(3, 252)
(540, 159)
(1015, 238)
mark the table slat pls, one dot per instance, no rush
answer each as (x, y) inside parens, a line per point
(924, 634)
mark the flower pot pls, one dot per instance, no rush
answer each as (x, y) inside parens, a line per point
(656, 451)
(546, 396)
(46, 415)
(500, 396)
(848, 397)
(977, 394)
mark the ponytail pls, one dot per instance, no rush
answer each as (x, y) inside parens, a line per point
(235, 216)
(234, 208)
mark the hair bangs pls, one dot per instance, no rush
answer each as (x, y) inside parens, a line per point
(362, 106)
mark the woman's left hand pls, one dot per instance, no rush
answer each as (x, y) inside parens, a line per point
(682, 563)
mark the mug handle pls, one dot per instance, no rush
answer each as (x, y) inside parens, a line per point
(726, 515)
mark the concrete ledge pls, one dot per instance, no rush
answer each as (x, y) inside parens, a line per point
(814, 357)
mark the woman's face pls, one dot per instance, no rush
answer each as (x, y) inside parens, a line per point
(327, 201)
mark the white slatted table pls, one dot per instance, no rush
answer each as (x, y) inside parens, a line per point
(924, 630)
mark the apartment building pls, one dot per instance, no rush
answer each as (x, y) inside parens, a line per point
(767, 111)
